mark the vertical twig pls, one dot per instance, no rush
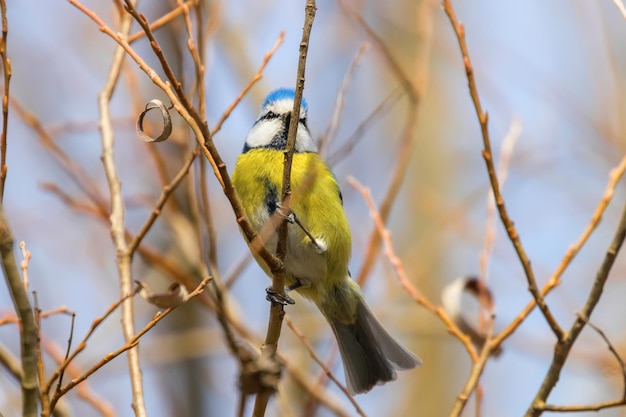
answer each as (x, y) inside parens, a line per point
(6, 67)
(278, 283)
(28, 335)
(117, 219)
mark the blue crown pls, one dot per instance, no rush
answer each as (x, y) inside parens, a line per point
(284, 94)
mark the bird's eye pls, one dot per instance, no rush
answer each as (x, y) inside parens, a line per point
(303, 120)
(269, 116)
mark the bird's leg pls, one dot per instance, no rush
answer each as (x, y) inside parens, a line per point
(318, 244)
(276, 298)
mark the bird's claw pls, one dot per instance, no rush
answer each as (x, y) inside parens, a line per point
(290, 218)
(277, 298)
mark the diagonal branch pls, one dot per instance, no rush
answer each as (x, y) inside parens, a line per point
(483, 118)
(563, 346)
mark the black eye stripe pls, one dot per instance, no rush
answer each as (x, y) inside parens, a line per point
(270, 115)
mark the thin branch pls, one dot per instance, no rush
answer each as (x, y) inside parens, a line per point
(615, 175)
(620, 6)
(28, 334)
(563, 347)
(256, 77)
(483, 119)
(321, 363)
(333, 126)
(581, 408)
(477, 369)
(268, 350)
(130, 344)
(385, 106)
(163, 20)
(167, 191)
(402, 277)
(405, 145)
(615, 354)
(124, 257)
(83, 343)
(6, 70)
(83, 390)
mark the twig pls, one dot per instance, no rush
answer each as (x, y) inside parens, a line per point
(615, 175)
(331, 130)
(28, 334)
(506, 150)
(563, 347)
(353, 140)
(163, 20)
(620, 7)
(167, 191)
(268, 350)
(130, 344)
(26, 255)
(256, 77)
(477, 369)
(615, 353)
(201, 131)
(83, 390)
(124, 255)
(483, 118)
(404, 281)
(67, 353)
(83, 343)
(6, 70)
(404, 147)
(321, 363)
(12, 364)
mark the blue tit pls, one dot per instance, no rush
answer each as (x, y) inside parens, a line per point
(318, 270)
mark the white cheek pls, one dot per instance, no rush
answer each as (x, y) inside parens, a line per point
(304, 141)
(263, 132)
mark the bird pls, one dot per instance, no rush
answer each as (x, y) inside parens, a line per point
(318, 240)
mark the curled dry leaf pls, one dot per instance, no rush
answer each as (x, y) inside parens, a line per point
(452, 297)
(167, 122)
(176, 295)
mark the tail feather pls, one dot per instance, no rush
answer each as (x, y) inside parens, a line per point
(370, 355)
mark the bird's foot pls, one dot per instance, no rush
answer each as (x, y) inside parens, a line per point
(277, 298)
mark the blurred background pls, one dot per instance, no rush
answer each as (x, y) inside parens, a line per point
(552, 70)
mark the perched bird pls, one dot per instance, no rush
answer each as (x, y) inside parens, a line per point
(316, 263)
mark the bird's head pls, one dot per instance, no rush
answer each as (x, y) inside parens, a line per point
(272, 124)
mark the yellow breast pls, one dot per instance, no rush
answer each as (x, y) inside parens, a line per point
(315, 201)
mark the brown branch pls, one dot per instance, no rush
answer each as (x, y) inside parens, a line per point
(83, 343)
(163, 20)
(268, 350)
(28, 334)
(615, 175)
(6, 70)
(130, 344)
(563, 347)
(483, 119)
(321, 363)
(124, 256)
(406, 139)
(83, 390)
(333, 126)
(581, 408)
(477, 369)
(167, 191)
(404, 280)
(256, 77)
